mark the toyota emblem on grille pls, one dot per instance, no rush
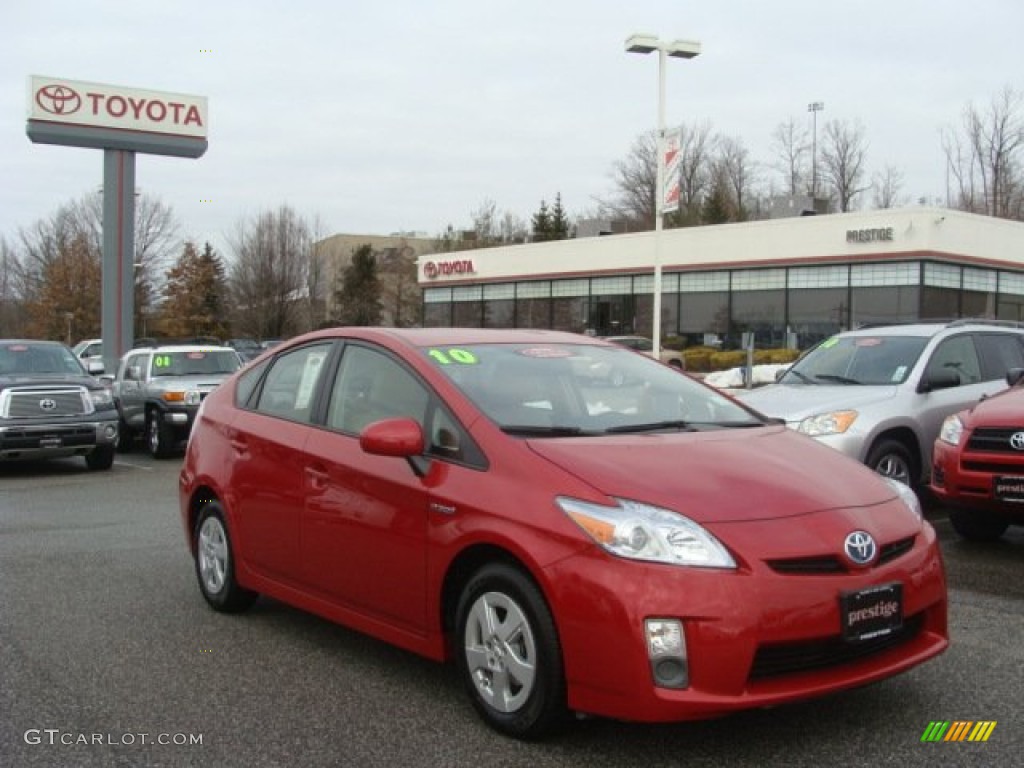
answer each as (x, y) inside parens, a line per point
(860, 547)
(1017, 441)
(48, 404)
(58, 99)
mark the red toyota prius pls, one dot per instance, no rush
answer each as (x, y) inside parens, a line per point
(578, 527)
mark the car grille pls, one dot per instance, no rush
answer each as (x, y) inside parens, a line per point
(993, 439)
(834, 564)
(44, 402)
(791, 658)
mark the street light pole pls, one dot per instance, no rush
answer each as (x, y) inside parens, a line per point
(814, 108)
(682, 49)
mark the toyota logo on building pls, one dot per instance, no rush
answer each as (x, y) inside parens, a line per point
(1017, 441)
(48, 404)
(58, 99)
(430, 269)
(860, 547)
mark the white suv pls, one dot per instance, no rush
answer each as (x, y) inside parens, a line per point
(881, 394)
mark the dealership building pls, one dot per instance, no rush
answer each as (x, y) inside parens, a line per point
(791, 281)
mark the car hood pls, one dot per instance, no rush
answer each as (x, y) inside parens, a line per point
(720, 476)
(49, 380)
(1003, 410)
(795, 403)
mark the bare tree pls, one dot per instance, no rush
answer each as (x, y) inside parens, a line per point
(696, 171)
(738, 172)
(887, 188)
(634, 179)
(790, 145)
(268, 275)
(985, 161)
(842, 160)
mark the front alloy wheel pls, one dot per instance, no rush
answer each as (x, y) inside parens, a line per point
(509, 656)
(890, 458)
(160, 436)
(215, 567)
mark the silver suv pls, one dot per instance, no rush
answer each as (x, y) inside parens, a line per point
(158, 391)
(881, 394)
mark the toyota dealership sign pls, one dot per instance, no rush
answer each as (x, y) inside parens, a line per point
(112, 106)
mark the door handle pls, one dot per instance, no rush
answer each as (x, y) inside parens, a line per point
(318, 477)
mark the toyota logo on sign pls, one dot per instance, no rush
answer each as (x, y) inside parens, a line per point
(1017, 441)
(58, 99)
(860, 547)
(48, 404)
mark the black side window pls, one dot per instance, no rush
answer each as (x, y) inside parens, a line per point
(999, 353)
(958, 354)
(291, 383)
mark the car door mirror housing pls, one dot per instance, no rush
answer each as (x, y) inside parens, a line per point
(393, 437)
(942, 379)
(1014, 375)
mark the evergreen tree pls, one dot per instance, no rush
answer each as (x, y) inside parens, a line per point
(358, 298)
(194, 295)
(541, 223)
(558, 221)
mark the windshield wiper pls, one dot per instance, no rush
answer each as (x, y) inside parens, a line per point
(803, 377)
(653, 426)
(534, 430)
(836, 378)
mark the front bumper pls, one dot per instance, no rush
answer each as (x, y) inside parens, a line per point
(968, 480)
(44, 441)
(755, 637)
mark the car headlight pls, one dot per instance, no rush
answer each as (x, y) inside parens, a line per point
(101, 399)
(639, 531)
(907, 496)
(952, 430)
(834, 423)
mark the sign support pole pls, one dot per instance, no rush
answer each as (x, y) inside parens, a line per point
(118, 255)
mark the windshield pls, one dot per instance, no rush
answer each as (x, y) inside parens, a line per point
(29, 359)
(852, 360)
(195, 362)
(578, 389)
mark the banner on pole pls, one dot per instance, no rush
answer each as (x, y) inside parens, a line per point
(671, 159)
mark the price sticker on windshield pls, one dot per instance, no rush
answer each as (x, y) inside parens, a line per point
(454, 355)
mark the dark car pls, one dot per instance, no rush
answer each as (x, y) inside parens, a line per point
(51, 407)
(978, 468)
(247, 349)
(651, 551)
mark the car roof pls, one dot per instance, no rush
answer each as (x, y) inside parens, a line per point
(47, 342)
(443, 336)
(184, 348)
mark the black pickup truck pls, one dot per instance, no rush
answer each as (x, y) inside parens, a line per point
(50, 407)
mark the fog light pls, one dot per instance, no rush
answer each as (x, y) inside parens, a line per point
(666, 651)
(110, 431)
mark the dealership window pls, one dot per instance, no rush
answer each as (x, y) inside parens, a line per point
(885, 293)
(978, 298)
(759, 305)
(819, 302)
(569, 304)
(940, 294)
(1010, 305)
(500, 306)
(533, 304)
(703, 306)
(437, 307)
(643, 305)
(467, 306)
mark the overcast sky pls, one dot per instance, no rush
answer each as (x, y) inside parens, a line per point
(407, 115)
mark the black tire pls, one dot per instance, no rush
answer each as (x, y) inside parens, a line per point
(125, 437)
(977, 524)
(159, 435)
(101, 457)
(891, 458)
(215, 562)
(531, 702)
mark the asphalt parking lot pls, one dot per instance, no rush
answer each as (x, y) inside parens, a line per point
(107, 651)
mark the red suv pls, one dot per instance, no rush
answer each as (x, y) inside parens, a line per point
(979, 464)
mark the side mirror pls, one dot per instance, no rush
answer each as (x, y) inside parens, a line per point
(95, 367)
(133, 373)
(393, 437)
(1014, 375)
(942, 379)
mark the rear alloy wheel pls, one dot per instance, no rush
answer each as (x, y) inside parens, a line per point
(215, 564)
(890, 458)
(508, 653)
(101, 457)
(977, 524)
(159, 436)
